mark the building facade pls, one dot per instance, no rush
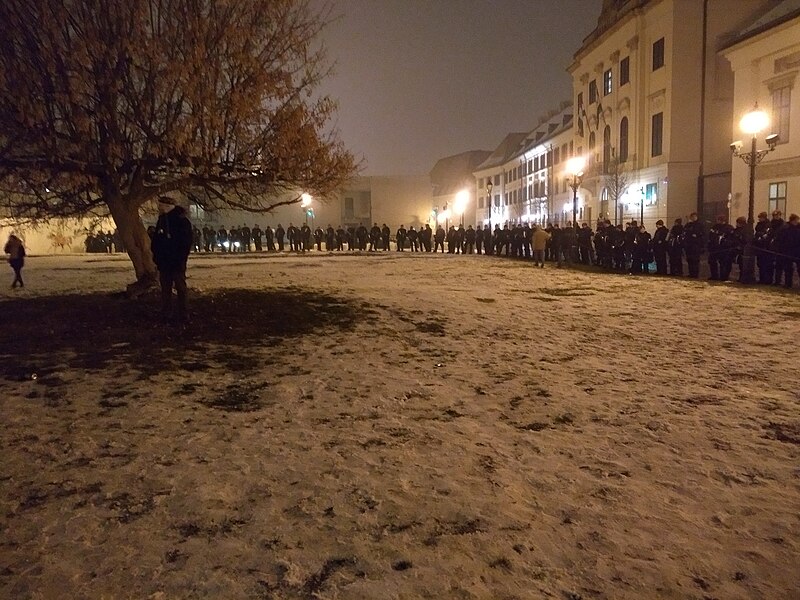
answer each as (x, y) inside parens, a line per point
(525, 175)
(765, 58)
(653, 104)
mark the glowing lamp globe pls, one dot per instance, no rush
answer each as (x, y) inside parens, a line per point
(575, 165)
(754, 122)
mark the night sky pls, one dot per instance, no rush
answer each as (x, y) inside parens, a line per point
(418, 80)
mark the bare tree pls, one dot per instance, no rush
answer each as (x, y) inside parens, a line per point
(107, 104)
(616, 181)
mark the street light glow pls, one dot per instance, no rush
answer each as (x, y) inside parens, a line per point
(306, 200)
(462, 198)
(575, 165)
(754, 122)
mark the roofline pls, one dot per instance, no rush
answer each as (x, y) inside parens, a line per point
(758, 31)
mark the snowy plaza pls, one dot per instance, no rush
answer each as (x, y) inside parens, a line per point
(397, 426)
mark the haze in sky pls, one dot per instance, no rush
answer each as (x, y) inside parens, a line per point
(418, 80)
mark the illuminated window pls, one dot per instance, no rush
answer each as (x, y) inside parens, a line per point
(608, 84)
(651, 194)
(781, 102)
(777, 197)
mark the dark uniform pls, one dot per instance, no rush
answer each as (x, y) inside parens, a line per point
(693, 237)
(660, 247)
(171, 244)
(675, 248)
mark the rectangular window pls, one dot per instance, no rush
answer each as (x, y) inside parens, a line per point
(657, 135)
(497, 200)
(592, 91)
(777, 197)
(658, 54)
(625, 70)
(480, 201)
(349, 209)
(530, 166)
(781, 102)
(651, 194)
(580, 100)
(608, 84)
(497, 179)
(556, 156)
(536, 164)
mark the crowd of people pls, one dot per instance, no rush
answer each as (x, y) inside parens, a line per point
(104, 242)
(627, 248)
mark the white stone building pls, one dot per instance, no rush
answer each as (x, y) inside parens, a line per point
(525, 175)
(765, 57)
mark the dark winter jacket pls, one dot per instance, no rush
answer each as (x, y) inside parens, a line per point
(172, 240)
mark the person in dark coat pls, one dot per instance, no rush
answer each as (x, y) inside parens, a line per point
(341, 238)
(693, 238)
(386, 236)
(439, 239)
(16, 258)
(469, 240)
(425, 237)
(787, 245)
(640, 255)
(764, 259)
(412, 239)
(330, 238)
(400, 238)
(172, 242)
(256, 234)
(675, 248)
(479, 239)
(660, 247)
(716, 251)
(488, 248)
(775, 226)
(280, 232)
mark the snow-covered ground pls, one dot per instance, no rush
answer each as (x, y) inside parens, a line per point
(398, 426)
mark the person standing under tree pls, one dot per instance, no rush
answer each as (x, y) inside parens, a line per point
(171, 244)
(16, 258)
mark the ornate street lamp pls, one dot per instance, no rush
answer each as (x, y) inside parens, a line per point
(575, 166)
(752, 124)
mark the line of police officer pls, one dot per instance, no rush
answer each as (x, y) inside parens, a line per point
(630, 248)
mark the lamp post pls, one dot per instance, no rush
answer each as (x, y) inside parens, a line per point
(641, 207)
(487, 242)
(575, 167)
(752, 124)
(490, 202)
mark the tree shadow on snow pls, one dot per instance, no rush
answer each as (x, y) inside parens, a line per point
(95, 331)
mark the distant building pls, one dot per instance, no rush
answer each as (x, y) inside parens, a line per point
(524, 172)
(765, 57)
(453, 187)
(365, 200)
(654, 101)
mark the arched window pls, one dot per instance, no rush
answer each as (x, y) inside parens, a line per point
(606, 149)
(580, 127)
(591, 142)
(623, 140)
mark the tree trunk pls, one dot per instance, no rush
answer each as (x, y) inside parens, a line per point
(137, 245)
